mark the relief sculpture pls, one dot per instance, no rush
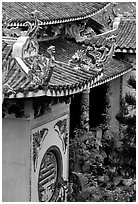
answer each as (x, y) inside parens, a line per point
(38, 138)
(62, 130)
(92, 56)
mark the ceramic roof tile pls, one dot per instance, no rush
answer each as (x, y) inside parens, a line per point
(59, 78)
(63, 79)
(127, 9)
(64, 51)
(125, 36)
(50, 11)
(6, 50)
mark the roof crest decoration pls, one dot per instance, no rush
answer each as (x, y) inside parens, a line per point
(27, 45)
(92, 57)
(41, 68)
(78, 30)
(16, 31)
(6, 89)
(24, 55)
(113, 16)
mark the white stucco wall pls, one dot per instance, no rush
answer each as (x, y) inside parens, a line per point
(15, 160)
(19, 182)
(59, 113)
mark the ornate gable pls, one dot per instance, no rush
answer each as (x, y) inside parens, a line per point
(25, 47)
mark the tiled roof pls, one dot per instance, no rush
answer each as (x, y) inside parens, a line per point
(6, 50)
(113, 70)
(127, 9)
(64, 49)
(62, 79)
(51, 12)
(125, 37)
(126, 34)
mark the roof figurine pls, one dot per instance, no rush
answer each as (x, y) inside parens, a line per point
(93, 56)
(38, 70)
(25, 49)
(122, 16)
(31, 72)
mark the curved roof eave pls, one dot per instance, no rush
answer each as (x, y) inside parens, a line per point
(82, 10)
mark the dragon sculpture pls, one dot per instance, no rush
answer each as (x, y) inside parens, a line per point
(78, 31)
(92, 57)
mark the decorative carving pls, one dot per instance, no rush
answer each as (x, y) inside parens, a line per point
(112, 19)
(10, 32)
(32, 30)
(41, 106)
(7, 63)
(107, 19)
(16, 31)
(78, 31)
(5, 20)
(107, 55)
(93, 57)
(57, 29)
(42, 68)
(38, 138)
(31, 46)
(51, 51)
(61, 128)
(79, 60)
(47, 181)
(84, 110)
(13, 109)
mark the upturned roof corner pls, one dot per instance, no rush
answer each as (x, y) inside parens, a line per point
(78, 61)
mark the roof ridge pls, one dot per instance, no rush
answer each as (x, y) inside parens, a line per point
(83, 13)
(128, 19)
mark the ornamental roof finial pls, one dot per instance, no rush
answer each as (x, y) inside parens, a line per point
(51, 51)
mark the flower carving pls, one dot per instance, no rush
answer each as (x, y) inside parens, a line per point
(38, 138)
(61, 128)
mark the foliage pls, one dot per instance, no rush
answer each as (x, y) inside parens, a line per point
(102, 164)
(102, 195)
(127, 120)
(99, 181)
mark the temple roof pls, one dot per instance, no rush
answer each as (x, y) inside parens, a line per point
(126, 9)
(51, 12)
(126, 32)
(60, 79)
(126, 36)
(64, 50)
(115, 69)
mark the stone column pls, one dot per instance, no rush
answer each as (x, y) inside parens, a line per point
(84, 110)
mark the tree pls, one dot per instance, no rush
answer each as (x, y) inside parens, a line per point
(127, 120)
(98, 176)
